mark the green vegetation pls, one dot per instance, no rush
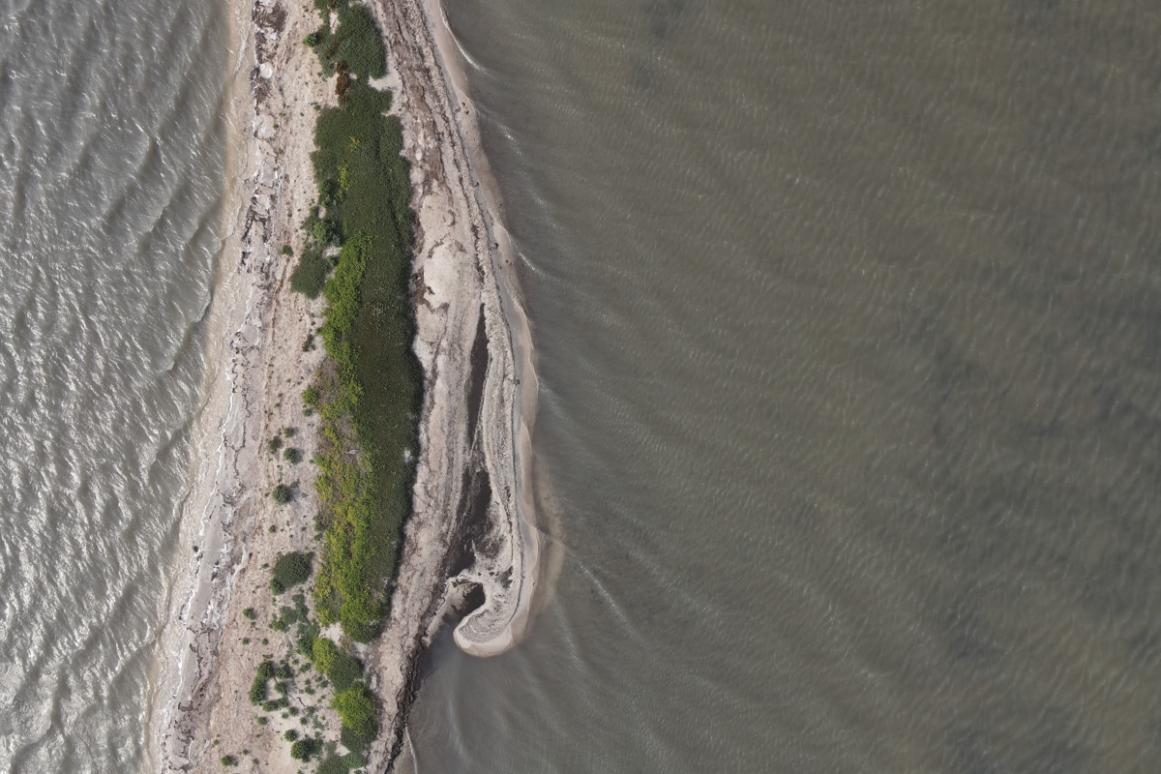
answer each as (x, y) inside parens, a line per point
(356, 709)
(229, 760)
(250, 613)
(356, 43)
(261, 679)
(303, 749)
(310, 274)
(291, 569)
(316, 37)
(340, 668)
(368, 393)
(333, 764)
(357, 255)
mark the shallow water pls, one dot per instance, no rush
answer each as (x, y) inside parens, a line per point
(848, 318)
(111, 171)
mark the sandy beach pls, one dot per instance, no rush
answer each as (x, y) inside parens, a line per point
(472, 526)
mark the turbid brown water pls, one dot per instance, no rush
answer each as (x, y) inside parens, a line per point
(848, 318)
(111, 167)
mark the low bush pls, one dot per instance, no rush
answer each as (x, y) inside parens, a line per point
(356, 708)
(260, 682)
(310, 275)
(341, 668)
(304, 749)
(292, 569)
(282, 494)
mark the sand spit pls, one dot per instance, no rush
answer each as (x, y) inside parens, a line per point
(472, 527)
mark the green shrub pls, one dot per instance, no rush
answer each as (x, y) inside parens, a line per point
(292, 455)
(292, 569)
(290, 735)
(250, 613)
(341, 668)
(261, 679)
(310, 396)
(357, 42)
(287, 250)
(304, 749)
(274, 444)
(323, 653)
(282, 494)
(310, 274)
(333, 764)
(307, 633)
(229, 760)
(356, 710)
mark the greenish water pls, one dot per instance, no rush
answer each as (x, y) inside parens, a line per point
(848, 318)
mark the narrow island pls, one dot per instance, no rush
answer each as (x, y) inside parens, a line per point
(362, 459)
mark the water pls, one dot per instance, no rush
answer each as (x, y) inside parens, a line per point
(848, 318)
(111, 168)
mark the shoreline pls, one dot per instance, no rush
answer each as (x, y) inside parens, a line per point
(510, 389)
(472, 524)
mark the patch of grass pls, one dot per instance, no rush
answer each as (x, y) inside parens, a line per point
(356, 42)
(341, 668)
(333, 764)
(356, 709)
(310, 275)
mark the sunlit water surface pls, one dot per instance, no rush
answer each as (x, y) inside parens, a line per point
(111, 171)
